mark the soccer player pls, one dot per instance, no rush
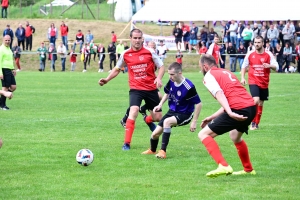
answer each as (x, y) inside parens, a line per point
(214, 50)
(259, 62)
(7, 71)
(143, 82)
(183, 100)
(236, 113)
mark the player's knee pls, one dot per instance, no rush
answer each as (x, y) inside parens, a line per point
(13, 88)
(157, 117)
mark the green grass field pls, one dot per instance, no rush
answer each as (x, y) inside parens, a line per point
(53, 115)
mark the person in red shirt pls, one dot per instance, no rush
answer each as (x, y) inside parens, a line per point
(113, 37)
(64, 29)
(236, 113)
(29, 30)
(4, 4)
(178, 57)
(143, 82)
(260, 63)
(73, 56)
(214, 50)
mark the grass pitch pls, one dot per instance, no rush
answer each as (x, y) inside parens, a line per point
(53, 115)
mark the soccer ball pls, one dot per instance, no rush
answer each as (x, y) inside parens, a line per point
(85, 157)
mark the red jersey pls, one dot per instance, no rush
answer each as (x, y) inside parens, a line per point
(214, 50)
(64, 30)
(114, 38)
(73, 57)
(258, 74)
(218, 79)
(202, 50)
(141, 68)
(28, 31)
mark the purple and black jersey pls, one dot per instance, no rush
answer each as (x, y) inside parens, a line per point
(182, 97)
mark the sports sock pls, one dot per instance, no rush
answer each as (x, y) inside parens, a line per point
(126, 115)
(258, 114)
(3, 101)
(242, 150)
(165, 139)
(214, 150)
(130, 124)
(148, 119)
(143, 109)
(153, 144)
(151, 126)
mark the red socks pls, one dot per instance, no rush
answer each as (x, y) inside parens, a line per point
(214, 150)
(242, 150)
(258, 114)
(148, 119)
(130, 124)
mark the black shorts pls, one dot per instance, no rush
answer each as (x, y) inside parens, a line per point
(178, 40)
(256, 91)
(223, 123)
(151, 98)
(8, 78)
(182, 119)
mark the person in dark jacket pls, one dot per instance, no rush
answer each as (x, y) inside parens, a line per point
(101, 55)
(17, 55)
(111, 50)
(9, 32)
(231, 50)
(177, 32)
(20, 35)
(241, 50)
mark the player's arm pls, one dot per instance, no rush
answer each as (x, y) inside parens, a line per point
(273, 63)
(162, 101)
(161, 70)
(220, 58)
(244, 68)
(197, 111)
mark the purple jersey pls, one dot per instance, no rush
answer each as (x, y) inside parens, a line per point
(182, 97)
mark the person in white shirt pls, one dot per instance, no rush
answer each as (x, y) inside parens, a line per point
(62, 51)
(162, 50)
(232, 29)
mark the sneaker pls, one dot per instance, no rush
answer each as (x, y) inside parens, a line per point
(242, 172)
(5, 108)
(84, 70)
(161, 154)
(123, 123)
(126, 147)
(253, 126)
(149, 152)
(221, 170)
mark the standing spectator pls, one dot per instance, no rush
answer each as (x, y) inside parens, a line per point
(111, 50)
(120, 49)
(42, 54)
(256, 31)
(64, 30)
(186, 34)
(204, 37)
(93, 51)
(162, 50)
(20, 35)
(202, 48)
(241, 50)
(287, 33)
(4, 4)
(297, 51)
(86, 53)
(9, 32)
(232, 32)
(52, 33)
(210, 37)
(223, 51)
(264, 23)
(214, 50)
(260, 63)
(263, 34)
(193, 38)
(52, 56)
(29, 30)
(17, 54)
(7, 71)
(73, 56)
(239, 37)
(79, 39)
(236, 113)
(62, 51)
(231, 50)
(287, 56)
(101, 55)
(225, 37)
(178, 57)
(280, 29)
(247, 35)
(89, 37)
(177, 32)
(113, 37)
(297, 32)
(273, 35)
(278, 52)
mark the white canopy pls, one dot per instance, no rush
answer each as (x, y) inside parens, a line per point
(218, 10)
(61, 3)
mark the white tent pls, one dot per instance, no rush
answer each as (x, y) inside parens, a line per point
(60, 3)
(218, 10)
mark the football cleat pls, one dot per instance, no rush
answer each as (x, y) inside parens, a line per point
(149, 152)
(243, 172)
(161, 154)
(221, 170)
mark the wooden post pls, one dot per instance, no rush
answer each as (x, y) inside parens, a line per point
(21, 7)
(98, 10)
(81, 9)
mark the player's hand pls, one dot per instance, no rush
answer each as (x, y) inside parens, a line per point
(193, 126)
(157, 108)
(1, 76)
(102, 81)
(237, 117)
(158, 83)
(243, 81)
(14, 72)
(266, 65)
(205, 122)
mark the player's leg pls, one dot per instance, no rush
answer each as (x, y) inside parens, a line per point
(255, 93)
(124, 119)
(154, 140)
(264, 96)
(6, 94)
(152, 99)
(8, 85)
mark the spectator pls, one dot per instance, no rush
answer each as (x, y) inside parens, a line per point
(239, 37)
(52, 56)
(297, 51)
(287, 33)
(78, 40)
(231, 50)
(89, 37)
(86, 54)
(64, 30)
(16, 51)
(280, 29)
(101, 55)
(214, 50)
(287, 56)
(226, 37)
(4, 4)
(269, 48)
(232, 32)
(120, 49)
(278, 52)
(73, 56)
(264, 23)
(247, 35)
(210, 36)
(9, 32)
(186, 34)
(223, 51)
(29, 30)
(162, 50)
(297, 32)
(52, 33)
(177, 32)
(202, 48)
(42, 54)
(241, 50)
(263, 34)
(256, 30)
(204, 37)
(62, 51)
(93, 51)
(178, 57)
(193, 38)
(113, 37)
(272, 35)
(111, 50)
(20, 35)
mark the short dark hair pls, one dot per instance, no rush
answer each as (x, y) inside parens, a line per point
(209, 60)
(260, 38)
(135, 30)
(176, 66)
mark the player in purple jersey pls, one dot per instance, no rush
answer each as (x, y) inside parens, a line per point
(184, 107)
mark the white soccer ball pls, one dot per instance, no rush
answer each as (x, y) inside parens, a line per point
(85, 157)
